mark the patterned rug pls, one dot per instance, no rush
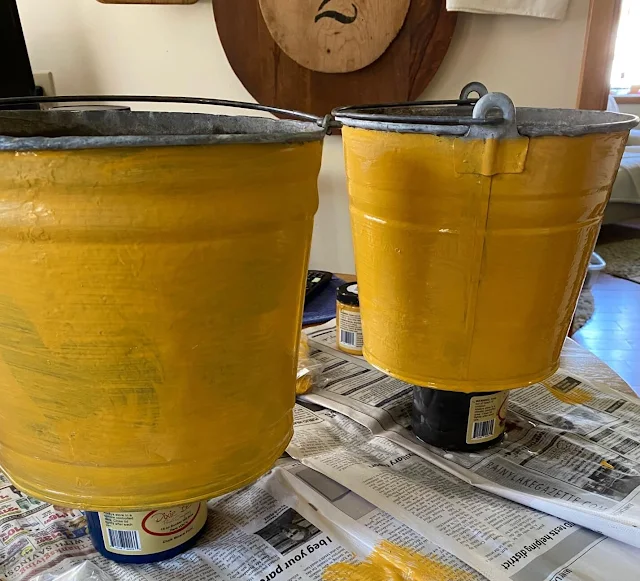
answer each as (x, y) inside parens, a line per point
(620, 248)
(584, 311)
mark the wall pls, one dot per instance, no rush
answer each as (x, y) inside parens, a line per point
(174, 50)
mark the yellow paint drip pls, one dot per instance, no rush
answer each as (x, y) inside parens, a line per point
(389, 562)
(491, 156)
(471, 254)
(150, 311)
(304, 378)
(576, 396)
(607, 465)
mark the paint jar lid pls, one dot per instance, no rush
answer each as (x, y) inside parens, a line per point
(348, 294)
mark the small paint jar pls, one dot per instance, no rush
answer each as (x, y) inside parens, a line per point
(457, 421)
(348, 322)
(147, 536)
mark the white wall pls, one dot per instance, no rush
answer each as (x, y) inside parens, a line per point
(174, 50)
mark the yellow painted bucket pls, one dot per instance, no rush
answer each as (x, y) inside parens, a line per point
(473, 226)
(154, 267)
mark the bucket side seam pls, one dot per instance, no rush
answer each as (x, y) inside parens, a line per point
(489, 157)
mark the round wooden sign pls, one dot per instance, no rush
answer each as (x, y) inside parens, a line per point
(334, 36)
(274, 77)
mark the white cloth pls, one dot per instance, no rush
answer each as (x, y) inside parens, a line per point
(634, 137)
(612, 104)
(555, 9)
(634, 134)
(626, 188)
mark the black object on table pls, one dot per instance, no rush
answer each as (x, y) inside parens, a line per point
(441, 418)
(316, 281)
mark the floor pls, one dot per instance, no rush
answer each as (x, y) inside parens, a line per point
(613, 333)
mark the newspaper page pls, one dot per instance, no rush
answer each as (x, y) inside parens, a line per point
(250, 535)
(571, 449)
(35, 536)
(366, 529)
(498, 538)
(294, 524)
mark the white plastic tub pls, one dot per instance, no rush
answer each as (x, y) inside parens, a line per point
(596, 265)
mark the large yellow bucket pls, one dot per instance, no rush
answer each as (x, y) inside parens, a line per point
(154, 267)
(473, 233)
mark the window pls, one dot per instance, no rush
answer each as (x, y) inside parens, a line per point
(625, 72)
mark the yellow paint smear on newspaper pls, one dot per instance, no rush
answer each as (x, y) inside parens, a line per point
(389, 562)
(304, 379)
(576, 396)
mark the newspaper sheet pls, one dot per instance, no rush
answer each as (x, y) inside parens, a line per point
(34, 535)
(571, 449)
(264, 532)
(498, 538)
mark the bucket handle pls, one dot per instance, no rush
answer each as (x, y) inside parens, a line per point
(489, 150)
(13, 101)
(492, 102)
(481, 125)
(370, 113)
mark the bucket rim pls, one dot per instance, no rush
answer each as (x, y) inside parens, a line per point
(530, 121)
(65, 130)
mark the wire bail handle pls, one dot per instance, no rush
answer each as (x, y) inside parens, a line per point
(13, 101)
(481, 124)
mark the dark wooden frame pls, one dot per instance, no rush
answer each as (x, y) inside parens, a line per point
(272, 78)
(599, 46)
(628, 99)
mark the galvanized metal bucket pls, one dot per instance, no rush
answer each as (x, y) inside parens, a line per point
(150, 308)
(473, 225)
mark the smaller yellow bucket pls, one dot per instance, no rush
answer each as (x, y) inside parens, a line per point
(150, 308)
(473, 225)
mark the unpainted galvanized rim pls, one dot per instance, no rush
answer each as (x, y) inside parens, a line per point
(458, 119)
(65, 130)
(70, 130)
(491, 115)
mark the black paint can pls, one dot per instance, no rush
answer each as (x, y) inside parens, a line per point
(459, 421)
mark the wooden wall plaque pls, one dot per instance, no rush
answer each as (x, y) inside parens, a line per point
(401, 73)
(147, 1)
(337, 36)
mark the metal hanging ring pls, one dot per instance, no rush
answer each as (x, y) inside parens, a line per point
(495, 101)
(473, 87)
